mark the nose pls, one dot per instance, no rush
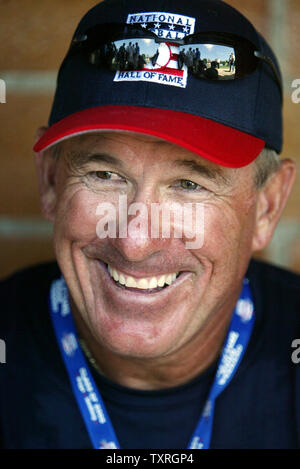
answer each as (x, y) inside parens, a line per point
(139, 237)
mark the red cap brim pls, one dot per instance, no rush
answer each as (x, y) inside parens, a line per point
(216, 142)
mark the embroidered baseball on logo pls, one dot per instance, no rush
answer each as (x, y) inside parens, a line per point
(157, 63)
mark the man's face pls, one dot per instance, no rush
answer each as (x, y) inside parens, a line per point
(150, 322)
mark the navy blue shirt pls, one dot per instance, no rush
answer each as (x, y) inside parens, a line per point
(260, 408)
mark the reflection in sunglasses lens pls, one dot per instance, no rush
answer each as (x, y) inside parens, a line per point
(209, 61)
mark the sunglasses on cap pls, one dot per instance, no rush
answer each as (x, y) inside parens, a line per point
(212, 56)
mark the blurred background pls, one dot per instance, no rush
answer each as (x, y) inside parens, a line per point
(34, 37)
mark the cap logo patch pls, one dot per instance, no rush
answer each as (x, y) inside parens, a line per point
(158, 63)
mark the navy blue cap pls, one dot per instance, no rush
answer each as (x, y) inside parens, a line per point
(226, 122)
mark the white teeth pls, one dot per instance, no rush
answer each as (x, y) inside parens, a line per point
(130, 282)
(142, 283)
(169, 279)
(122, 279)
(152, 283)
(115, 275)
(161, 281)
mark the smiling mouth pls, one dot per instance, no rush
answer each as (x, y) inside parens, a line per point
(142, 285)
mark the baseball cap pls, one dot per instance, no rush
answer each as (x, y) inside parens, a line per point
(226, 122)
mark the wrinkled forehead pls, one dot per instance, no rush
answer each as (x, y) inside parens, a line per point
(94, 140)
(116, 140)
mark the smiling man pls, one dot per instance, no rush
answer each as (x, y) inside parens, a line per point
(155, 329)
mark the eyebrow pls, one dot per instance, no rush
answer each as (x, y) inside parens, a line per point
(80, 158)
(215, 174)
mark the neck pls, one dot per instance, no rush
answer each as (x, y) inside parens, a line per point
(163, 372)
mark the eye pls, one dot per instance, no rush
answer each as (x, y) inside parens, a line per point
(106, 176)
(103, 174)
(107, 180)
(189, 185)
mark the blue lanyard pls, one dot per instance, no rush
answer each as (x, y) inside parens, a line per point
(88, 398)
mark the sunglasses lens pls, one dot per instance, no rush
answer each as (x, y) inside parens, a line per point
(207, 57)
(128, 54)
(209, 61)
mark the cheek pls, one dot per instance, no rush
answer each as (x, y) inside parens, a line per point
(76, 217)
(228, 232)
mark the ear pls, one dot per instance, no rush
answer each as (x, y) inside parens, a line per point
(46, 168)
(271, 201)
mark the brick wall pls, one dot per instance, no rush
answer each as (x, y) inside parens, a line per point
(34, 36)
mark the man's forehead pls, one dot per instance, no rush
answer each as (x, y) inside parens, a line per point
(119, 136)
(81, 147)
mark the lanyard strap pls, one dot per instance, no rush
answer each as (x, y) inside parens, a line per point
(88, 398)
(235, 345)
